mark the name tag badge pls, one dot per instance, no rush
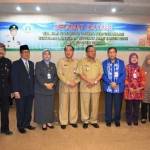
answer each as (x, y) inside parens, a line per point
(65, 65)
(116, 74)
(74, 71)
(87, 68)
(48, 76)
(134, 75)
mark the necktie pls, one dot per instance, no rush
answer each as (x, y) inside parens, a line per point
(27, 66)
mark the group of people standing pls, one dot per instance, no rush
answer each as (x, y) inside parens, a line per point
(79, 81)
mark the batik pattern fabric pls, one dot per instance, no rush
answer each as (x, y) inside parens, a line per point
(135, 78)
(113, 72)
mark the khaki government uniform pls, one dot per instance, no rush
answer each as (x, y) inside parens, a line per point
(68, 96)
(91, 69)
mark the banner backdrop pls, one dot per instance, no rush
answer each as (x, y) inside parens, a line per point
(56, 35)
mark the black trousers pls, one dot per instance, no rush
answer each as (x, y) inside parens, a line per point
(113, 99)
(132, 110)
(24, 111)
(145, 111)
(4, 100)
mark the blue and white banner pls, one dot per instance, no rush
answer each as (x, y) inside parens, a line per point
(80, 34)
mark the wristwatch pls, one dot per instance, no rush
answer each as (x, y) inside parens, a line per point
(96, 82)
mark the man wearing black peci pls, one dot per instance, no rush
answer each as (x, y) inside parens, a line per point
(23, 88)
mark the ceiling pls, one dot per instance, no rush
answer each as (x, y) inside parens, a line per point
(100, 7)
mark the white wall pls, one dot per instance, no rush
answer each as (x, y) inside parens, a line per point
(36, 56)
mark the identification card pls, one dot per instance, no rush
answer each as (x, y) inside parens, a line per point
(116, 74)
(48, 76)
(134, 75)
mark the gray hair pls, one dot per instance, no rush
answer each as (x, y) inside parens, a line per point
(46, 50)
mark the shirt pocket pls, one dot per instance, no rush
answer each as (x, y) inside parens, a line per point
(86, 68)
(95, 69)
(65, 68)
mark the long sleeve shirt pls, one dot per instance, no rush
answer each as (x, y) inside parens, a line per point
(114, 72)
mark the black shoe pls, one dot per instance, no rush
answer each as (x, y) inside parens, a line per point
(51, 127)
(85, 125)
(22, 130)
(7, 132)
(108, 124)
(143, 121)
(30, 127)
(135, 123)
(74, 125)
(63, 126)
(44, 128)
(129, 123)
(117, 124)
(95, 125)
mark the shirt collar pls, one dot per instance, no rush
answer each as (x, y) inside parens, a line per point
(90, 60)
(47, 61)
(111, 61)
(24, 60)
(69, 59)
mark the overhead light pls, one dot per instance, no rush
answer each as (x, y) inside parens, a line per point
(38, 8)
(18, 8)
(113, 10)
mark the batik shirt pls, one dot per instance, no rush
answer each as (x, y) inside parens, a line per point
(113, 72)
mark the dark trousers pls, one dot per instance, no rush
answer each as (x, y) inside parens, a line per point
(145, 111)
(24, 111)
(110, 100)
(132, 110)
(4, 100)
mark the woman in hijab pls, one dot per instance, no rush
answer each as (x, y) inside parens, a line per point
(145, 109)
(45, 83)
(134, 90)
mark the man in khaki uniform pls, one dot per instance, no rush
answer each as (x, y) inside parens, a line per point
(90, 72)
(68, 88)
